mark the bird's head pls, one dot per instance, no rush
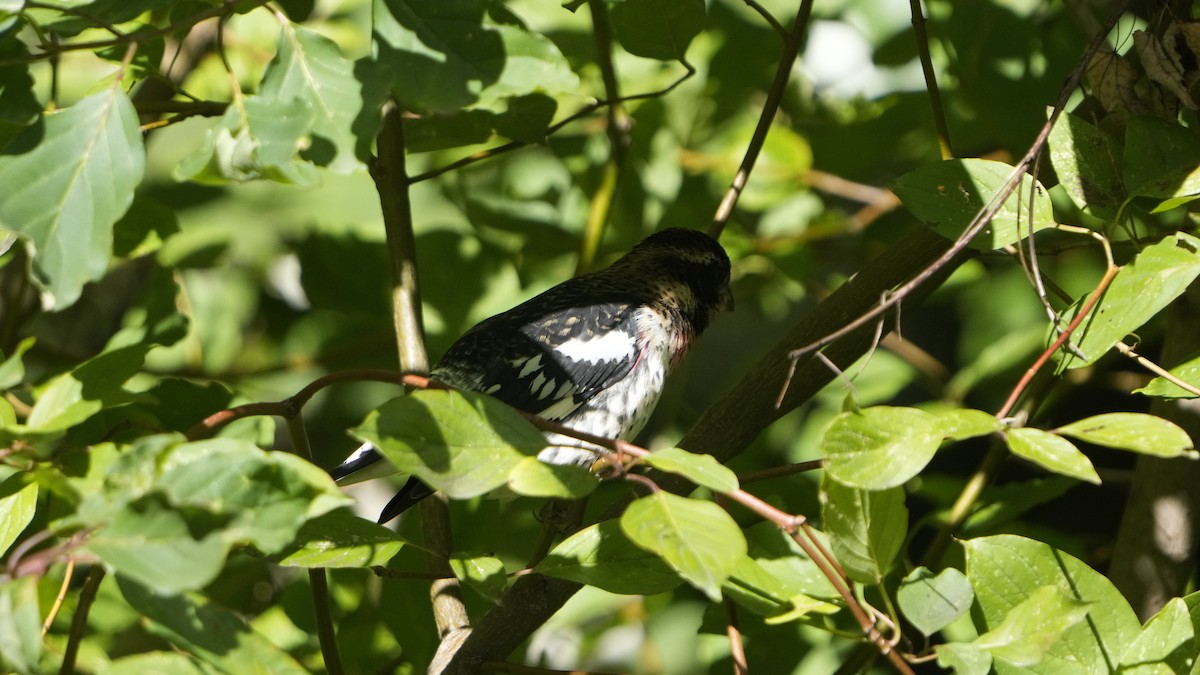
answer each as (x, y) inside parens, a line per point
(688, 270)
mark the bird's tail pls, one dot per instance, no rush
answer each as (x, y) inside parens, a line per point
(412, 492)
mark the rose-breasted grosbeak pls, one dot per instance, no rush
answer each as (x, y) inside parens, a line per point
(590, 353)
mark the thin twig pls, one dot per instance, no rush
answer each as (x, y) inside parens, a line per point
(982, 218)
(931, 85)
(551, 130)
(765, 119)
(737, 648)
(58, 599)
(318, 582)
(87, 595)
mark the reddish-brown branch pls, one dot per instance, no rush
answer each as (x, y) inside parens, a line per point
(291, 406)
(1062, 338)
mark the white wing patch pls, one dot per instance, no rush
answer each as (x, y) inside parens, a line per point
(612, 346)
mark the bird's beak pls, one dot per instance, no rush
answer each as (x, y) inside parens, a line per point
(725, 299)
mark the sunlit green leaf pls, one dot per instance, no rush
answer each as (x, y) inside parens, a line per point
(963, 423)
(1166, 643)
(258, 137)
(461, 443)
(703, 470)
(18, 500)
(775, 598)
(1005, 570)
(1144, 287)
(1030, 629)
(535, 478)
(310, 67)
(484, 573)
(1052, 452)
(930, 601)
(602, 556)
(866, 528)
(20, 625)
(698, 539)
(1141, 433)
(12, 369)
(340, 539)
(97, 384)
(69, 179)
(880, 447)
(1188, 371)
(964, 658)
(949, 195)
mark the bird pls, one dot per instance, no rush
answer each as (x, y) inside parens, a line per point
(591, 353)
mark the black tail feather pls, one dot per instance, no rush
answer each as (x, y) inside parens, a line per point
(412, 492)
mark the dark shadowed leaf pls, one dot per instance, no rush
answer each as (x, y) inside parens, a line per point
(931, 601)
(340, 539)
(949, 194)
(602, 556)
(658, 29)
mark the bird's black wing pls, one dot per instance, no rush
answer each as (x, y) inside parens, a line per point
(546, 362)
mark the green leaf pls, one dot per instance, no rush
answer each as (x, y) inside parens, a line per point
(448, 56)
(21, 625)
(257, 137)
(1139, 432)
(1030, 629)
(151, 543)
(866, 528)
(703, 470)
(602, 556)
(209, 632)
(964, 658)
(1083, 161)
(963, 423)
(756, 588)
(69, 179)
(930, 602)
(310, 67)
(169, 512)
(461, 443)
(159, 663)
(1053, 453)
(1141, 289)
(776, 552)
(1005, 570)
(949, 194)
(1188, 371)
(340, 539)
(19, 107)
(12, 370)
(698, 539)
(1160, 159)
(484, 573)
(879, 447)
(1166, 643)
(18, 501)
(73, 397)
(658, 29)
(534, 478)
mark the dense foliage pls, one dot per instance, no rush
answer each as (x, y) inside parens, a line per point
(949, 424)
